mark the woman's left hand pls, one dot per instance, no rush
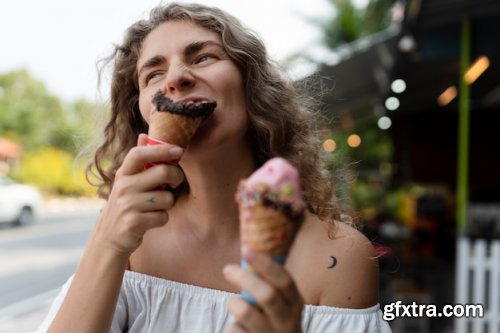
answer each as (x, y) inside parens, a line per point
(280, 303)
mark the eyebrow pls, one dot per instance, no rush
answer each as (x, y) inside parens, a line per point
(194, 47)
(189, 50)
(152, 62)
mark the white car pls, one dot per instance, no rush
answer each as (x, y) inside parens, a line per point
(19, 203)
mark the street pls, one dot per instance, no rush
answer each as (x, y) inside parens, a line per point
(35, 261)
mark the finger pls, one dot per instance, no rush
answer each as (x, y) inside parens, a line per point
(151, 179)
(248, 318)
(138, 156)
(142, 139)
(136, 225)
(154, 201)
(266, 296)
(289, 303)
(154, 219)
(275, 274)
(160, 174)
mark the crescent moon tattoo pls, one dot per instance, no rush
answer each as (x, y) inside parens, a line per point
(334, 262)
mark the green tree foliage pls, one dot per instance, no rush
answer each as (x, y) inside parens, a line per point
(81, 125)
(351, 23)
(376, 147)
(33, 117)
(377, 16)
(369, 163)
(29, 114)
(344, 27)
(50, 131)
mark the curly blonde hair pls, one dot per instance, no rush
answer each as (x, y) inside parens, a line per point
(280, 123)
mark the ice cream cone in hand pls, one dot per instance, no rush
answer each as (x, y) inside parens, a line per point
(176, 123)
(266, 229)
(271, 211)
(173, 128)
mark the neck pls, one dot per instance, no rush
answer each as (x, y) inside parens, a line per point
(209, 209)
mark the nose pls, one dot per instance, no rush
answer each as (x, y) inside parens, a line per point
(179, 79)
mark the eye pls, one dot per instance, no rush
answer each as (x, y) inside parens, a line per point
(204, 57)
(153, 75)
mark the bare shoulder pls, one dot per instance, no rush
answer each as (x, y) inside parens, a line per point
(334, 266)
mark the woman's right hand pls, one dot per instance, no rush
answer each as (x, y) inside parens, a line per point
(136, 202)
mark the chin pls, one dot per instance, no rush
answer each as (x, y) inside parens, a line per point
(216, 142)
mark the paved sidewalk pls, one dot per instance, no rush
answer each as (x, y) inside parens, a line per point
(25, 316)
(15, 320)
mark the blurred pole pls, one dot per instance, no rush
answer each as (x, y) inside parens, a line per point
(463, 129)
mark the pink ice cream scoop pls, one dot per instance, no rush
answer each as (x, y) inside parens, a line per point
(281, 178)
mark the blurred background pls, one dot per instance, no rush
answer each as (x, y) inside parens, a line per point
(410, 118)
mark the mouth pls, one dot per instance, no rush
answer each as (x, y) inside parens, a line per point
(190, 107)
(191, 100)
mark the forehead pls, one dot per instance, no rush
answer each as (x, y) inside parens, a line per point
(173, 37)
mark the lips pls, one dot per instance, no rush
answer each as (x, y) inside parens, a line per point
(189, 106)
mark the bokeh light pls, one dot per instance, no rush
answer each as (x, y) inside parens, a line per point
(384, 122)
(392, 103)
(398, 86)
(354, 140)
(447, 96)
(329, 145)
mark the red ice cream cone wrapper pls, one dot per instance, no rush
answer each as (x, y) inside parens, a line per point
(152, 142)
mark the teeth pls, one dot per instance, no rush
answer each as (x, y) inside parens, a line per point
(194, 103)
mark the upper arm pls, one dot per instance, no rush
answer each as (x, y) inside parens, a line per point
(353, 281)
(345, 267)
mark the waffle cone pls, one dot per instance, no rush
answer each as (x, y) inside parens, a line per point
(264, 229)
(173, 128)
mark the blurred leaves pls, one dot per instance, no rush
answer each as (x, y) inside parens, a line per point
(35, 118)
(50, 131)
(344, 27)
(54, 171)
(363, 172)
(28, 113)
(351, 23)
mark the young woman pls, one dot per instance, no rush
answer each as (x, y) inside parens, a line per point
(166, 261)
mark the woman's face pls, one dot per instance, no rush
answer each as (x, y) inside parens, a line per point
(188, 62)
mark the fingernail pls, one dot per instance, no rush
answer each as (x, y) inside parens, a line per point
(229, 269)
(176, 151)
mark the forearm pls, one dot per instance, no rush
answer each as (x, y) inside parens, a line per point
(135, 205)
(91, 300)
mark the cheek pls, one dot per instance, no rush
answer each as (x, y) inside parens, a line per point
(233, 89)
(239, 102)
(144, 106)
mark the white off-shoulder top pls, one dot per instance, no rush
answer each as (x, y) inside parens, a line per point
(154, 305)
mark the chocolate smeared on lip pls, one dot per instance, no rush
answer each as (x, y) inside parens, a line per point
(191, 109)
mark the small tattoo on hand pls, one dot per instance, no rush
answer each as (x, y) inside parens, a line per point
(334, 262)
(151, 200)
